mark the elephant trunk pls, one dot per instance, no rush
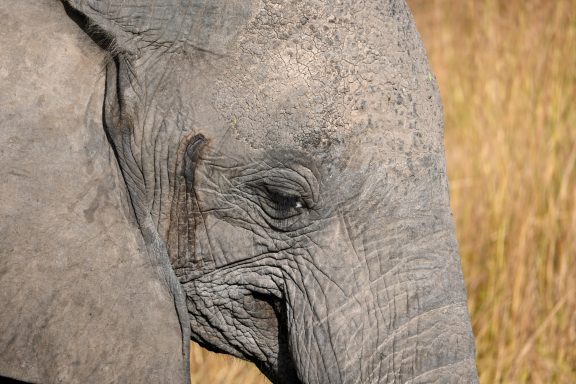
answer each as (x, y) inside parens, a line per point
(393, 311)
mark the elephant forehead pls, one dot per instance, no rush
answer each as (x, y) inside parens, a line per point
(321, 77)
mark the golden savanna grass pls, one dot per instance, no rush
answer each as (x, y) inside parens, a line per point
(507, 74)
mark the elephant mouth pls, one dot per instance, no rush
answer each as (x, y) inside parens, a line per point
(269, 313)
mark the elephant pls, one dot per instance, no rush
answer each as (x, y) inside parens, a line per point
(264, 178)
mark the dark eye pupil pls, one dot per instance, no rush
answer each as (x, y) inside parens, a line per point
(284, 202)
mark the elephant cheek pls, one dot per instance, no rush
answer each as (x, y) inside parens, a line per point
(233, 314)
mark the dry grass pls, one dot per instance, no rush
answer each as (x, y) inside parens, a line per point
(507, 73)
(211, 368)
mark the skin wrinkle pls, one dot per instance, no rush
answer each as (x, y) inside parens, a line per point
(248, 224)
(148, 97)
(306, 356)
(234, 270)
(309, 346)
(319, 320)
(471, 361)
(164, 181)
(418, 332)
(379, 311)
(132, 173)
(323, 273)
(359, 259)
(313, 332)
(157, 196)
(148, 171)
(406, 325)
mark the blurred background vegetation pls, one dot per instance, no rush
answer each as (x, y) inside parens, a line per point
(507, 74)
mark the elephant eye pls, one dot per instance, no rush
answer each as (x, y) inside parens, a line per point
(283, 202)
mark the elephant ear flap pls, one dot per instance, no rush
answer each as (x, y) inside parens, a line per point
(135, 26)
(102, 21)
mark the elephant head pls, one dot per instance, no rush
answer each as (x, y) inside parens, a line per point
(285, 166)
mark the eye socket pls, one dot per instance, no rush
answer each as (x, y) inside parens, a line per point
(285, 199)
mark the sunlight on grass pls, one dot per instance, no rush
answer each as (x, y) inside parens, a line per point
(507, 74)
(207, 367)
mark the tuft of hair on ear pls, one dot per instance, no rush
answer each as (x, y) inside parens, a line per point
(99, 36)
(103, 39)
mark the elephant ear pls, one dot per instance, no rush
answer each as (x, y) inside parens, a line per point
(80, 295)
(137, 26)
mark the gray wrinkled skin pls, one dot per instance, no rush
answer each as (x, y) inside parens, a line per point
(268, 176)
